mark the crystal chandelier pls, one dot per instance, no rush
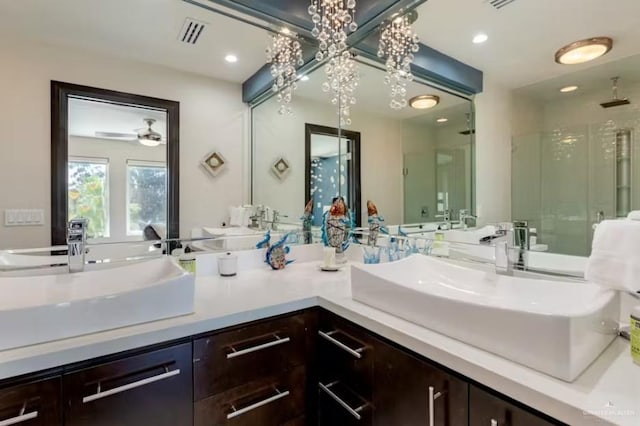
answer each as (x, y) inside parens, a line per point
(398, 43)
(285, 55)
(332, 19)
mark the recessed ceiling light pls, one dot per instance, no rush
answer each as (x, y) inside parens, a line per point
(304, 78)
(583, 50)
(568, 89)
(286, 31)
(424, 101)
(442, 120)
(231, 58)
(480, 38)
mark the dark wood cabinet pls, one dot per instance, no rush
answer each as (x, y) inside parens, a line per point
(35, 403)
(150, 388)
(409, 391)
(269, 401)
(486, 409)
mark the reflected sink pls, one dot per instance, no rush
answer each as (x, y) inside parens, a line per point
(51, 307)
(554, 327)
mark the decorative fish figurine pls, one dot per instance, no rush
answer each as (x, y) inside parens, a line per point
(307, 222)
(276, 254)
(375, 224)
(335, 224)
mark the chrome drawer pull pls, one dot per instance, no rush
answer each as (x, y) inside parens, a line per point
(354, 352)
(248, 408)
(353, 411)
(99, 394)
(278, 341)
(494, 422)
(21, 417)
(432, 399)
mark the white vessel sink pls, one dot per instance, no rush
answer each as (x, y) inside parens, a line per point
(233, 238)
(51, 307)
(557, 328)
(470, 236)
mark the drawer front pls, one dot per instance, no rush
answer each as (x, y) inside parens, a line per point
(232, 358)
(31, 404)
(345, 354)
(150, 388)
(486, 409)
(269, 401)
(339, 405)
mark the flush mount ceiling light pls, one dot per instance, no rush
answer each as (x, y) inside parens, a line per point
(442, 120)
(232, 59)
(424, 101)
(568, 89)
(480, 38)
(583, 50)
(304, 78)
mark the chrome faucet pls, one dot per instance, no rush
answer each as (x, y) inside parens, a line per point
(463, 216)
(511, 252)
(77, 243)
(275, 220)
(446, 217)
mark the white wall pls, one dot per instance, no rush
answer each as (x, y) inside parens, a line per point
(212, 114)
(493, 153)
(278, 136)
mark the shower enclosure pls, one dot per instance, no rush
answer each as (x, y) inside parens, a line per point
(564, 181)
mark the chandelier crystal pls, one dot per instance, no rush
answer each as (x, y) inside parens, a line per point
(285, 55)
(398, 43)
(332, 20)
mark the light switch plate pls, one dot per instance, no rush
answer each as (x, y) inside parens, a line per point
(23, 217)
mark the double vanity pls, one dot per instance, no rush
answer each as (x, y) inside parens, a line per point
(455, 345)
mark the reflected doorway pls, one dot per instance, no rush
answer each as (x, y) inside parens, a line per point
(332, 169)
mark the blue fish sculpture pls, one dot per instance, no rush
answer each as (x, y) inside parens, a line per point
(276, 254)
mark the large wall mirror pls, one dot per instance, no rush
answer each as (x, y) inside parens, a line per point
(576, 158)
(115, 162)
(415, 164)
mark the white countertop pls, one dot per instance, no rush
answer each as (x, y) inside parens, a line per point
(608, 392)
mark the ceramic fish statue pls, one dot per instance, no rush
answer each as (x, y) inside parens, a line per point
(375, 224)
(276, 254)
(335, 225)
(307, 222)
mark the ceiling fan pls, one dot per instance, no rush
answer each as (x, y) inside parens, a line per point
(145, 136)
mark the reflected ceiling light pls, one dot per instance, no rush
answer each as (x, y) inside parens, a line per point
(480, 38)
(568, 89)
(424, 101)
(304, 78)
(442, 120)
(148, 136)
(286, 31)
(232, 59)
(583, 50)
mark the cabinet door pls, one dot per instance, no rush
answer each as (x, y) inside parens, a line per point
(153, 388)
(31, 404)
(489, 410)
(408, 391)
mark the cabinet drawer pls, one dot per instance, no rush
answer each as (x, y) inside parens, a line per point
(486, 409)
(150, 388)
(232, 358)
(345, 354)
(269, 401)
(31, 404)
(340, 405)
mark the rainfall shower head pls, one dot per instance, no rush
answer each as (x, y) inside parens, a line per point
(615, 101)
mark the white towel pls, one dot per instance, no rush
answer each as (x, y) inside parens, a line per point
(634, 215)
(615, 255)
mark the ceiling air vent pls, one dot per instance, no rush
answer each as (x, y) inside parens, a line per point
(191, 31)
(499, 4)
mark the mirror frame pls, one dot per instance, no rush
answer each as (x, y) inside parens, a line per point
(60, 93)
(355, 186)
